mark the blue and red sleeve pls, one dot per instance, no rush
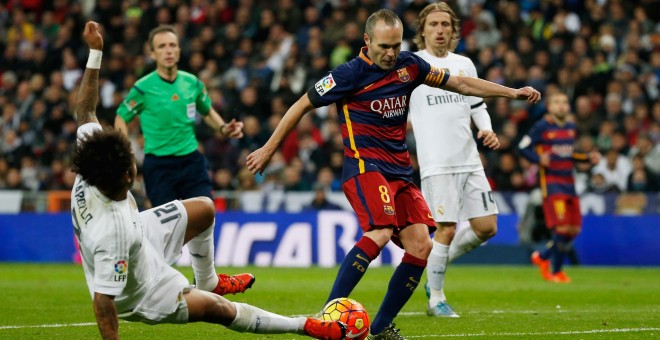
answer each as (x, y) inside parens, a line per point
(529, 142)
(333, 87)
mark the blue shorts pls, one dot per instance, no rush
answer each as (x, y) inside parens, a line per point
(169, 178)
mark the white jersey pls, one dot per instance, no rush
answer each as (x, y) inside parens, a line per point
(117, 258)
(441, 122)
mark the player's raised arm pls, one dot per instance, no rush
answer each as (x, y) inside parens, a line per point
(257, 161)
(88, 94)
(471, 86)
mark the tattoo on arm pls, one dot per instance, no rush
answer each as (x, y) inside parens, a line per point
(88, 96)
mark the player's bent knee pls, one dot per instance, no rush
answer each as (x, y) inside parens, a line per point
(201, 210)
(420, 248)
(207, 205)
(209, 209)
(485, 227)
(489, 231)
(447, 229)
(380, 235)
(426, 248)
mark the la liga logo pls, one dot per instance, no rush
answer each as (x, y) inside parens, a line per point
(121, 267)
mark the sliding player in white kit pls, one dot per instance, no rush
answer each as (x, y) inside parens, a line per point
(127, 254)
(453, 180)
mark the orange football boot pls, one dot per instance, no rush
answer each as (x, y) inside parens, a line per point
(325, 330)
(544, 265)
(560, 277)
(233, 284)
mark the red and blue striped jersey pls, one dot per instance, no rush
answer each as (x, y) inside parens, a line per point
(372, 104)
(548, 137)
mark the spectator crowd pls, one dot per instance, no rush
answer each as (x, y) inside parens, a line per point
(256, 57)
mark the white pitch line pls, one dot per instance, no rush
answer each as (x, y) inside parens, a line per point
(488, 312)
(544, 311)
(54, 325)
(592, 331)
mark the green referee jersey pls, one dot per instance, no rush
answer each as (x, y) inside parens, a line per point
(167, 112)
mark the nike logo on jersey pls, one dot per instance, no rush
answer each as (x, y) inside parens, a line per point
(359, 256)
(368, 86)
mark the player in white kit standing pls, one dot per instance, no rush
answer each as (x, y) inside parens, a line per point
(127, 254)
(454, 183)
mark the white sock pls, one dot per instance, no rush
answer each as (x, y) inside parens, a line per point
(251, 319)
(435, 270)
(201, 250)
(464, 242)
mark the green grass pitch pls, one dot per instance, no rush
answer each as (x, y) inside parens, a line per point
(52, 302)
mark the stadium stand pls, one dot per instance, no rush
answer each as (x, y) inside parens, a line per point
(256, 57)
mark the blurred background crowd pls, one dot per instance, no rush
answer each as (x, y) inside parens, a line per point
(257, 57)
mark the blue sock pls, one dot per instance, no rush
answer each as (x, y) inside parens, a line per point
(562, 245)
(353, 267)
(405, 279)
(549, 250)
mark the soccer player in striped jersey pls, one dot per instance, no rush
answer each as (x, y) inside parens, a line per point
(454, 183)
(549, 143)
(127, 254)
(372, 94)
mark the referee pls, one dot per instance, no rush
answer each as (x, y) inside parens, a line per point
(167, 101)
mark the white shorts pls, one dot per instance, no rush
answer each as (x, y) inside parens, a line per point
(164, 301)
(458, 197)
(165, 228)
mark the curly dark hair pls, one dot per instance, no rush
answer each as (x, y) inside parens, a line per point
(103, 159)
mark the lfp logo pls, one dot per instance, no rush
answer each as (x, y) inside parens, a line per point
(324, 85)
(121, 267)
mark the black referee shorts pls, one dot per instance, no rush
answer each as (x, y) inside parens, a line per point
(176, 177)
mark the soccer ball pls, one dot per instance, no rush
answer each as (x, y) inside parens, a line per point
(351, 313)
